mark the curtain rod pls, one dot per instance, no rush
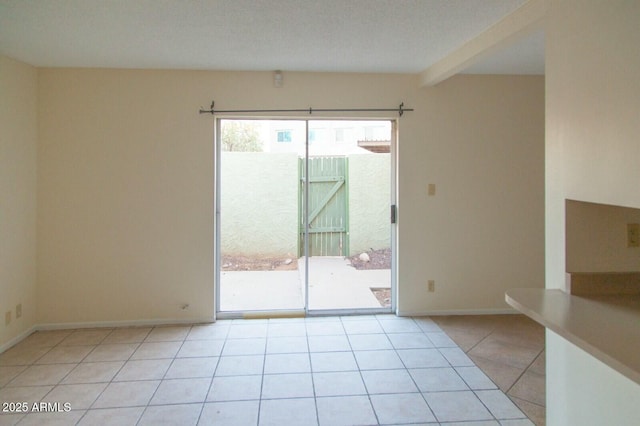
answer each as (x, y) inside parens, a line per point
(400, 109)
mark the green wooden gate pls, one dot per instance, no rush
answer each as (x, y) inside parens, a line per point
(328, 206)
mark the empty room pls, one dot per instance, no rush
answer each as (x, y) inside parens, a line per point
(355, 212)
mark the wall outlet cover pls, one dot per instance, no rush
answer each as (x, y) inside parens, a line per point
(633, 234)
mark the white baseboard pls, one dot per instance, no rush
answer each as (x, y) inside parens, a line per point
(507, 311)
(131, 323)
(17, 339)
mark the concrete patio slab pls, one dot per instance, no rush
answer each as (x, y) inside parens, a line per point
(260, 291)
(333, 284)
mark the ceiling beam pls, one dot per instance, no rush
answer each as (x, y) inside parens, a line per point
(523, 21)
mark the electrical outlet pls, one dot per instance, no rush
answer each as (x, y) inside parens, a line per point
(431, 286)
(633, 235)
(18, 310)
(7, 318)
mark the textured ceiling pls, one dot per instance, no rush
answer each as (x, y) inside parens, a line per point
(405, 36)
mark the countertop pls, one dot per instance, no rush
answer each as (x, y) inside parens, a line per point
(607, 327)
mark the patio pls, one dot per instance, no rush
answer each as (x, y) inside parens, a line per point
(333, 284)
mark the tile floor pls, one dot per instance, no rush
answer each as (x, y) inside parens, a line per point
(363, 370)
(510, 350)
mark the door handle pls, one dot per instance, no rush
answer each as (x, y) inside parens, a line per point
(393, 213)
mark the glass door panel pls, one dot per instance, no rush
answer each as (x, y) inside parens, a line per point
(349, 192)
(259, 191)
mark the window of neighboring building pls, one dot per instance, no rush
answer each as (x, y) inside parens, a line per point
(284, 135)
(317, 134)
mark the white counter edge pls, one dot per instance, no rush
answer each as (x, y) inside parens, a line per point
(587, 324)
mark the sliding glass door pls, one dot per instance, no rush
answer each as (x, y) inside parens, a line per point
(303, 216)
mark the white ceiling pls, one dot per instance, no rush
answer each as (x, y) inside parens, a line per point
(405, 36)
(526, 56)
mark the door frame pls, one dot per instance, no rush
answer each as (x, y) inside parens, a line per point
(218, 314)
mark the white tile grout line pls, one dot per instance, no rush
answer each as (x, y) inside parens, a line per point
(313, 384)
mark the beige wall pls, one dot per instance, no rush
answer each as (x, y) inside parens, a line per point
(126, 186)
(481, 143)
(18, 137)
(592, 128)
(596, 236)
(125, 229)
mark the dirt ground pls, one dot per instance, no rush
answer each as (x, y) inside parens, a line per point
(244, 263)
(378, 259)
(383, 295)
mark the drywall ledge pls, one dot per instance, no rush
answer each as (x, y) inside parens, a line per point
(605, 327)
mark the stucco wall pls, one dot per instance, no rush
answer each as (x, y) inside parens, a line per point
(369, 200)
(259, 203)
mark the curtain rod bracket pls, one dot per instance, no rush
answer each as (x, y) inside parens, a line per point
(208, 111)
(400, 109)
